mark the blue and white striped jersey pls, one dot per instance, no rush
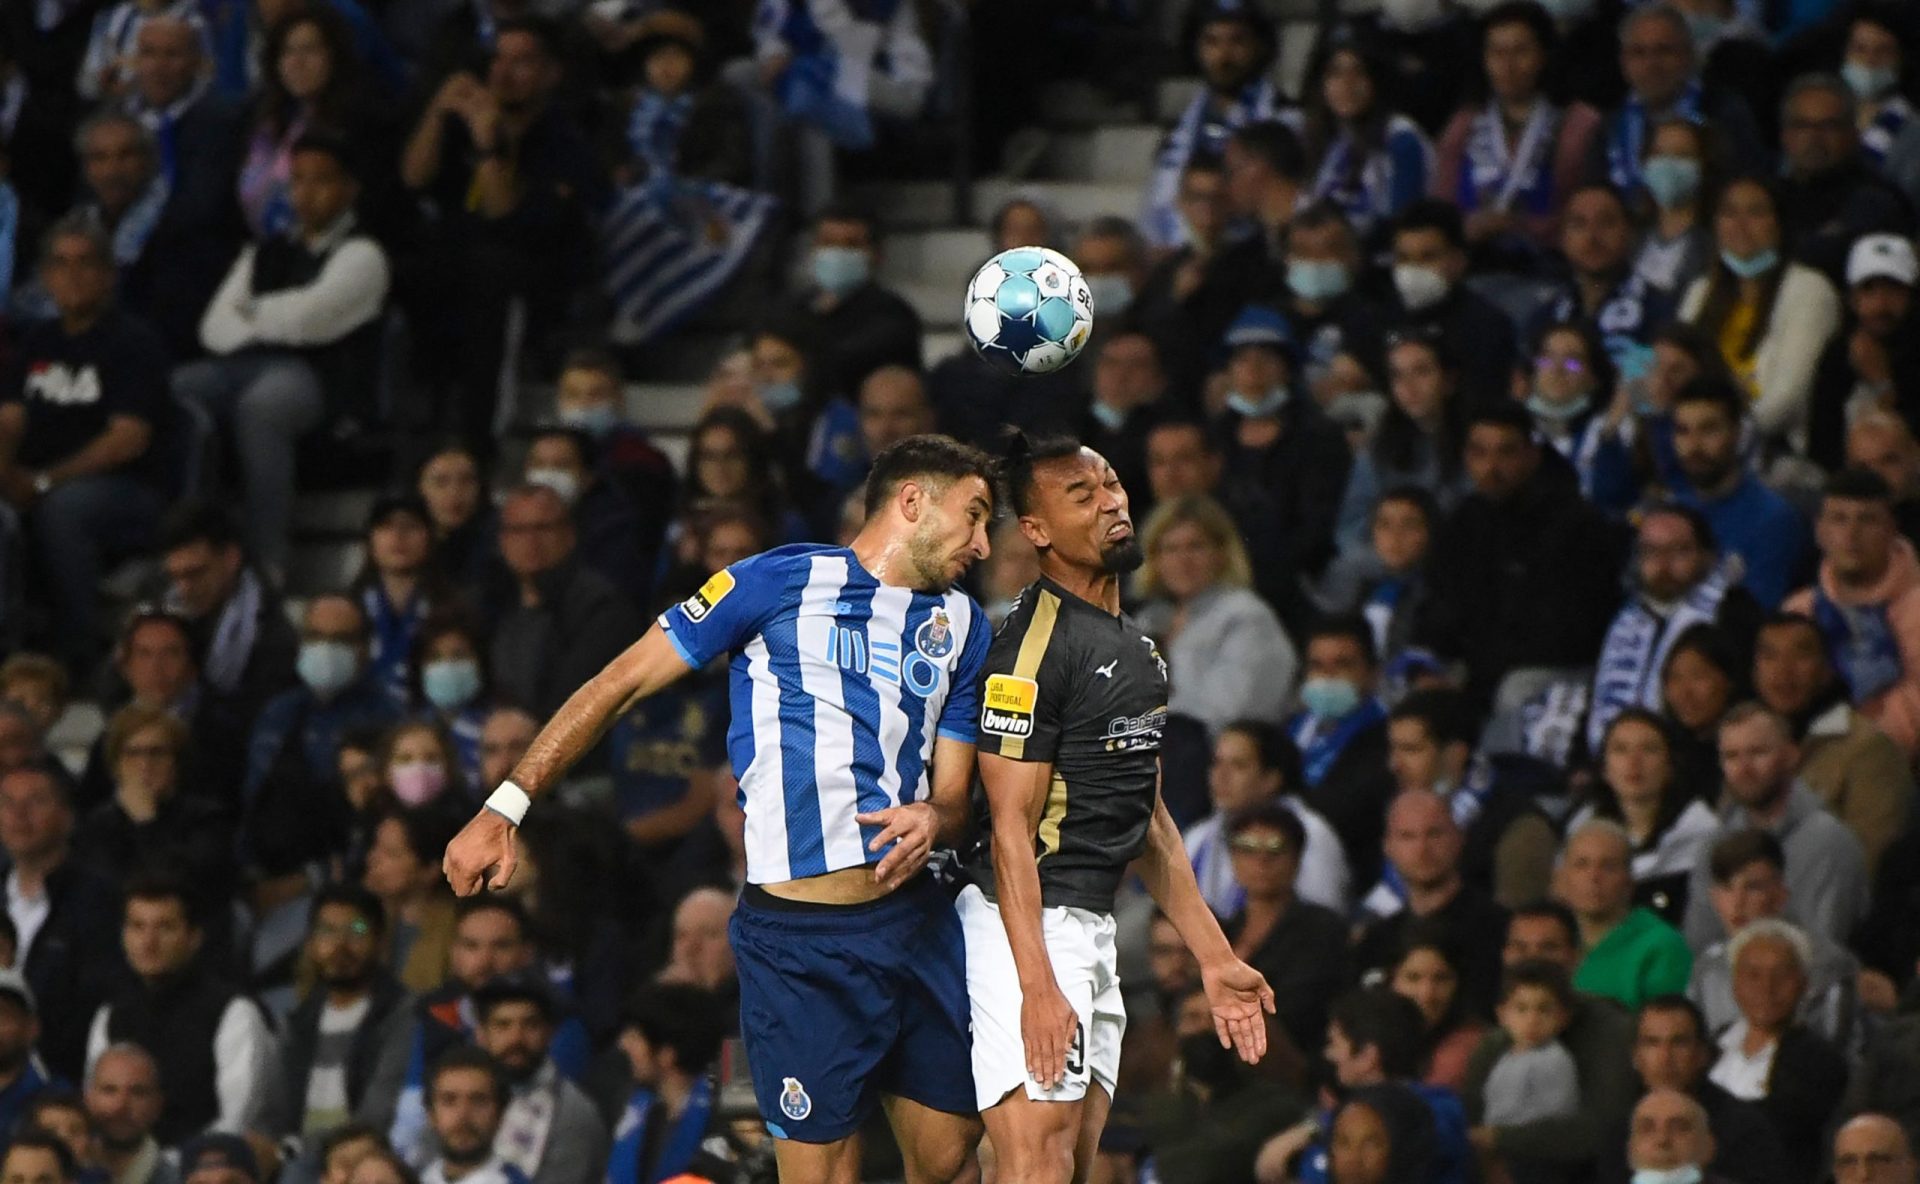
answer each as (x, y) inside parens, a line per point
(839, 686)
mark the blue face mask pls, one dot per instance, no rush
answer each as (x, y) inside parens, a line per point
(1262, 408)
(595, 421)
(1673, 180)
(1751, 266)
(1317, 279)
(327, 667)
(1329, 698)
(1869, 82)
(780, 396)
(840, 270)
(1541, 407)
(1689, 1174)
(1111, 293)
(450, 683)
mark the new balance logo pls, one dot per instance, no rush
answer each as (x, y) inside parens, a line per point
(1107, 670)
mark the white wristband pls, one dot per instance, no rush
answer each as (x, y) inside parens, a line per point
(509, 802)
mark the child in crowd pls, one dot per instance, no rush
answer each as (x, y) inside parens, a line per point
(1535, 1078)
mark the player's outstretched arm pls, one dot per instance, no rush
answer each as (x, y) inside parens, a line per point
(1016, 795)
(481, 855)
(1236, 992)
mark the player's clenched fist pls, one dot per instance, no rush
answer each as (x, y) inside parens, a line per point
(481, 855)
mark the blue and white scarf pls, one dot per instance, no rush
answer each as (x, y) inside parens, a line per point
(1199, 132)
(1494, 178)
(1635, 649)
(1321, 742)
(1862, 644)
(1892, 119)
(630, 1137)
(1361, 187)
(1627, 136)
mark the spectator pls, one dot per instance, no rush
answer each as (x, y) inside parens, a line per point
(1831, 194)
(212, 1043)
(609, 527)
(1866, 604)
(1660, 62)
(1509, 843)
(1680, 582)
(295, 329)
(467, 1101)
(449, 483)
(1750, 884)
(1524, 517)
(451, 685)
(62, 914)
(1680, 173)
(670, 1038)
(1512, 163)
(1869, 1142)
(1254, 764)
(550, 1130)
(37, 1157)
(1826, 874)
(1429, 263)
(1271, 925)
(345, 1148)
(123, 1103)
(1342, 735)
(1643, 789)
(1872, 365)
(1368, 160)
(893, 405)
(296, 740)
(197, 144)
(80, 407)
(403, 873)
(150, 824)
(1671, 1135)
(1267, 175)
(1571, 374)
(508, 180)
(1129, 396)
(590, 397)
(344, 1054)
(1227, 656)
(1387, 583)
(1752, 523)
(700, 954)
(1631, 954)
(1634, 459)
(504, 739)
(22, 1076)
(1284, 462)
(1419, 440)
(846, 321)
(244, 645)
(1595, 1034)
(1875, 62)
(1181, 459)
(419, 764)
(1882, 441)
(1234, 46)
(1428, 975)
(1423, 849)
(1381, 1133)
(567, 621)
(1604, 295)
(1861, 776)
(1771, 317)
(37, 684)
(730, 461)
(1767, 1057)
(1534, 1080)
(60, 1112)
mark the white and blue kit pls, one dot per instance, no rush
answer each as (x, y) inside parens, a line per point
(840, 685)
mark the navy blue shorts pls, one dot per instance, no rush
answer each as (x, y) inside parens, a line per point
(839, 1005)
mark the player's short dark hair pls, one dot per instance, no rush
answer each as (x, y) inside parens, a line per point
(1675, 1004)
(35, 1138)
(1857, 484)
(1374, 1017)
(466, 1056)
(1697, 524)
(1022, 455)
(1444, 712)
(1537, 972)
(1502, 413)
(1275, 816)
(1275, 145)
(1274, 749)
(930, 455)
(1431, 213)
(1349, 625)
(1732, 854)
(349, 894)
(1548, 910)
(681, 1017)
(199, 521)
(1716, 390)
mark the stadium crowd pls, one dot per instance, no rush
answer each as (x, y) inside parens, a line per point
(1521, 421)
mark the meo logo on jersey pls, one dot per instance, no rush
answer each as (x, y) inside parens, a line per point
(711, 593)
(1008, 709)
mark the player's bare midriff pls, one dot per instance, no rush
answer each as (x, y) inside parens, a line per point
(849, 885)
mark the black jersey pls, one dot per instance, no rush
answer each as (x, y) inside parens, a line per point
(1068, 683)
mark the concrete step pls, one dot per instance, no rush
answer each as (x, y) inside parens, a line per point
(678, 446)
(662, 406)
(340, 512)
(940, 305)
(1298, 39)
(1121, 154)
(1173, 97)
(938, 347)
(933, 256)
(923, 204)
(322, 566)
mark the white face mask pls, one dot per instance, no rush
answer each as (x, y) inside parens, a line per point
(1420, 287)
(1690, 1174)
(561, 481)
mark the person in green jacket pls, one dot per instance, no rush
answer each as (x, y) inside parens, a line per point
(1631, 955)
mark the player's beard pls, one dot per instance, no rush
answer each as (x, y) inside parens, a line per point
(1123, 557)
(932, 566)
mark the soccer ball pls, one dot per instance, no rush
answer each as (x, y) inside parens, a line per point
(1029, 310)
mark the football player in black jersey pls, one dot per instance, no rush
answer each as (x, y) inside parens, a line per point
(1073, 699)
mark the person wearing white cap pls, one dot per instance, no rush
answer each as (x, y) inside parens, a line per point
(1875, 365)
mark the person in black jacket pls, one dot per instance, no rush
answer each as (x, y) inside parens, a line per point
(1341, 731)
(65, 915)
(1876, 362)
(1830, 195)
(846, 323)
(1429, 263)
(150, 823)
(1525, 572)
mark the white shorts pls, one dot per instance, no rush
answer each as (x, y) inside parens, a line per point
(1080, 945)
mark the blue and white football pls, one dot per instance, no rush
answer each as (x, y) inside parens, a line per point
(1029, 310)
